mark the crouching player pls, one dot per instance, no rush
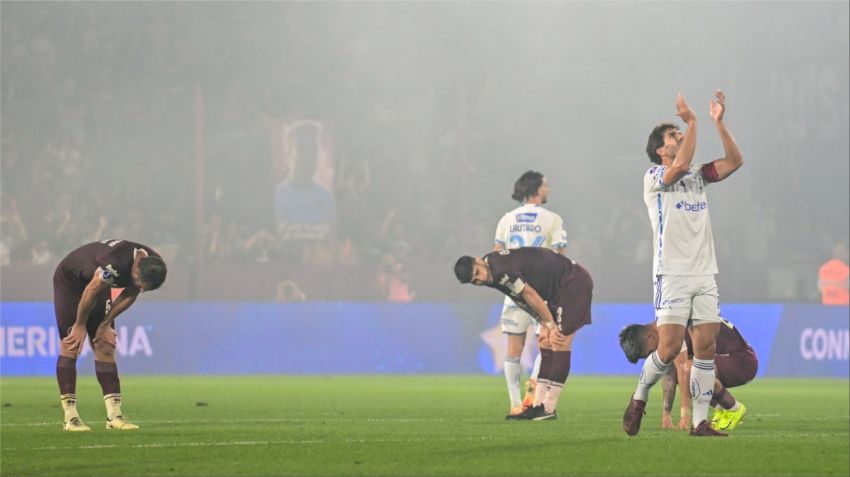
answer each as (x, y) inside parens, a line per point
(736, 365)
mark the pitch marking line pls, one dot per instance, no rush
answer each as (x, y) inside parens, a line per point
(250, 443)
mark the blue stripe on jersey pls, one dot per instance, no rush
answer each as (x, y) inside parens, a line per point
(660, 229)
(658, 292)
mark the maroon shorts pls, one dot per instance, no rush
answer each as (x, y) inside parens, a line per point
(66, 300)
(737, 368)
(574, 301)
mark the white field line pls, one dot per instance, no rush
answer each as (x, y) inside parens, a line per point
(57, 422)
(253, 443)
(262, 421)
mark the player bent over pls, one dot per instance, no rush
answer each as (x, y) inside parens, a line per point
(82, 287)
(529, 225)
(555, 291)
(735, 361)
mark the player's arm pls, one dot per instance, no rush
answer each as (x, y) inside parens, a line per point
(77, 335)
(682, 161)
(668, 384)
(683, 374)
(538, 306)
(733, 159)
(105, 332)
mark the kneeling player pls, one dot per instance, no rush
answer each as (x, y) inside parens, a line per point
(555, 291)
(736, 364)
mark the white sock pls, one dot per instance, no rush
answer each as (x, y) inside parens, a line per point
(653, 370)
(113, 405)
(512, 373)
(540, 391)
(702, 388)
(735, 406)
(536, 370)
(550, 403)
(69, 406)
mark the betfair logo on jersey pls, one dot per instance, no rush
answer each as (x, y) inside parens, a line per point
(692, 207)
(526, 217)
(112, 271)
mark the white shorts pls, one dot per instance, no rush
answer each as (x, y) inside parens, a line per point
(680, 299)
(515, 321)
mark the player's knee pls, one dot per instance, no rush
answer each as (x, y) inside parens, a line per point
(667, 353)
(104, 352)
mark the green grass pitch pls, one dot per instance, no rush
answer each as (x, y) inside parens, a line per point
(408, 426)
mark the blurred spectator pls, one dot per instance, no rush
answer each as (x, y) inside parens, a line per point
(288, 292)
(393, 281)
(834, 277)
(41, 254)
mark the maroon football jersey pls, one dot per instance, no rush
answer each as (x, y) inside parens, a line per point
(729, 340)
(545, 270)
(112, 259)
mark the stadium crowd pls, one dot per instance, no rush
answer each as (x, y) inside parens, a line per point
(145, 145)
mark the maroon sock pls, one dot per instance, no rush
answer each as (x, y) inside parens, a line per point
(545, 370)
(725, 398)
(66, 375)
(107, 376)
(560, 368)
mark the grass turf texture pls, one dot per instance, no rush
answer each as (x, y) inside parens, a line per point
(408, 425)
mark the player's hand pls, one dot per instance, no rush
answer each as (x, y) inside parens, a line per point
(683, 110)
(666, 421)
(75, 339)
(105, 335)
(684, 423)
(716, 109)
(557, 338)
(543, 338)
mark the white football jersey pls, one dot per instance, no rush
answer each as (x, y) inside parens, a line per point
(681, 227)
(530, 225)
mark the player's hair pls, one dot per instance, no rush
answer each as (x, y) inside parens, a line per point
(463, 268)
(152, 271)
(527, 186)
(631, 340)
(656, 140)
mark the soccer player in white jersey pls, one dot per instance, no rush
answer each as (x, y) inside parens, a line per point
(529, 225)
(683, 264)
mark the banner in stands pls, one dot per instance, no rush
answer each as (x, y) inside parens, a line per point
(345, 338)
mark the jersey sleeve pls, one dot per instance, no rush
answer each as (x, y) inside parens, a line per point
(653, 181)
(107, 274)
(558, 234)
(502, 232)
(108, 265)
(708, 171)
(512, 282)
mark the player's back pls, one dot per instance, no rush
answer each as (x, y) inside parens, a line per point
(78, 266)
(114, 256)
(531, 225)
(544, 269)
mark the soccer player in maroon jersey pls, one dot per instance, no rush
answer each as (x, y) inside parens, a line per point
(82, 287)
(736, 363)
(555, 291)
